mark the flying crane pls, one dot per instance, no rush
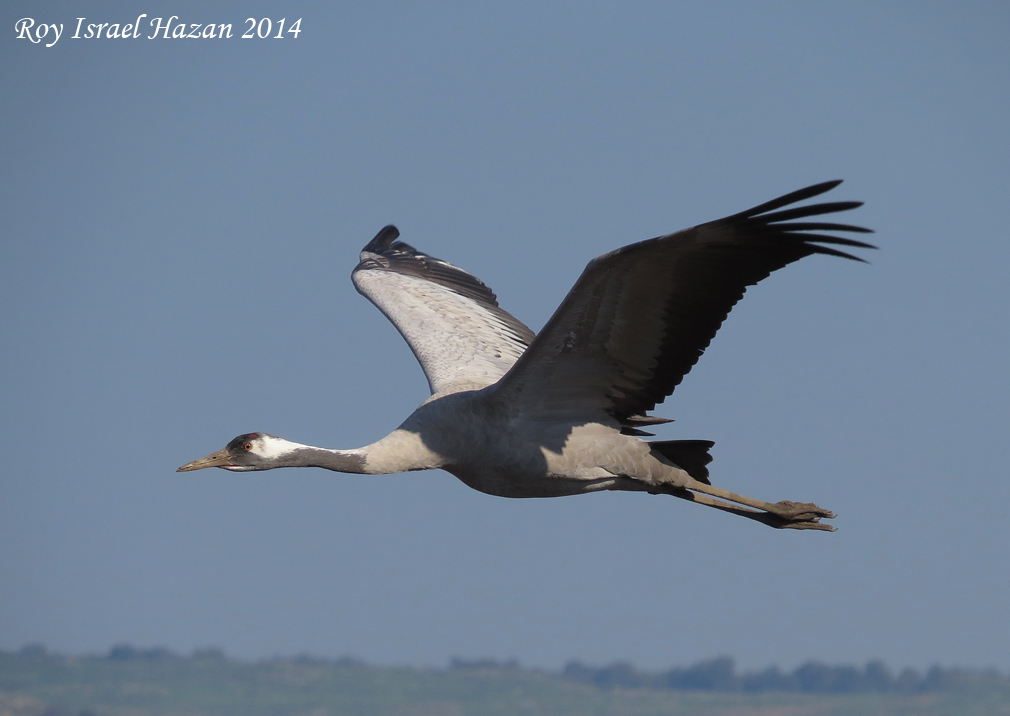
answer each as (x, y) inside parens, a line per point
(516, 414)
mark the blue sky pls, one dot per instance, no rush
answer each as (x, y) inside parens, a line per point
(179, 219)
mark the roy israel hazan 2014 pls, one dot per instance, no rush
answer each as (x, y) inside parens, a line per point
(166, 28)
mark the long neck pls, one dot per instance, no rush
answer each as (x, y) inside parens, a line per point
(339, 460)
(399, 451)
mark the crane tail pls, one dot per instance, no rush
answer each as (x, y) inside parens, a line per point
(689, 455)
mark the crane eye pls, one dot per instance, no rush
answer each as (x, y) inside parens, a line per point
(247, 446)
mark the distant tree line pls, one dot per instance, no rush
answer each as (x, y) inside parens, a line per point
(812, 677)
(712, 675)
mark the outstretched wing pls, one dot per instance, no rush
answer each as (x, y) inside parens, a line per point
(450, 320)
(638, 318)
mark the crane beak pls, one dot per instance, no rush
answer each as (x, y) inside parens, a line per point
(221, 458)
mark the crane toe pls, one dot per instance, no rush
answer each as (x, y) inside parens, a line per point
(800, 511)
(788, 515)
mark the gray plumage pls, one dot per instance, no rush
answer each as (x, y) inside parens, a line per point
(520, 415)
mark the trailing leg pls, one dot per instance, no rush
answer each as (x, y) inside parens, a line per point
(780, 515)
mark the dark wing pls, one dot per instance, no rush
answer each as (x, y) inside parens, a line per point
(640, 317)
(450, 320)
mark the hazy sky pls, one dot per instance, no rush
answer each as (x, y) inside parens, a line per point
(179, 218)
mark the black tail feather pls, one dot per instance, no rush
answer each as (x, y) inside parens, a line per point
(689, 455)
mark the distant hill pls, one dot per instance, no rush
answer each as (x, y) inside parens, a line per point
(156, 682)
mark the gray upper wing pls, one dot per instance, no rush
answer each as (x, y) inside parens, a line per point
(449, 318)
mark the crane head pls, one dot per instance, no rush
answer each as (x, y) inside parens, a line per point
(251, 451)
